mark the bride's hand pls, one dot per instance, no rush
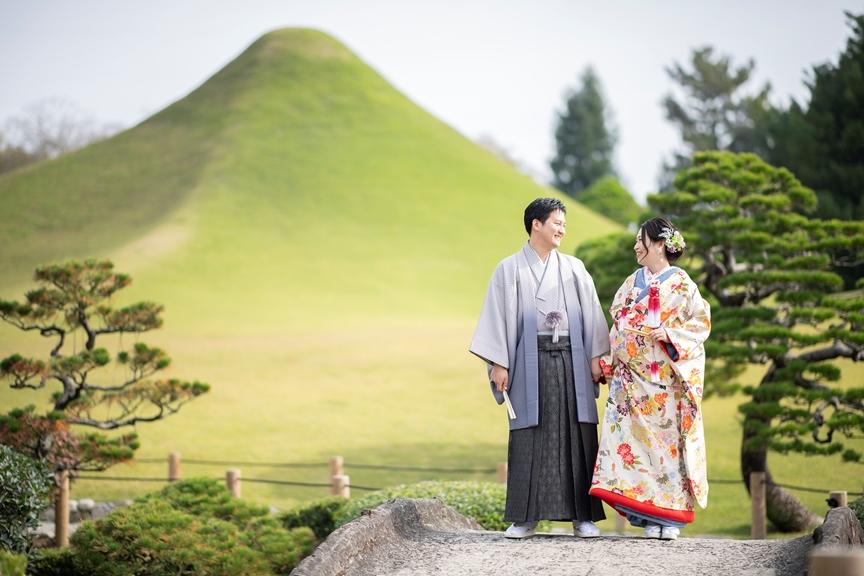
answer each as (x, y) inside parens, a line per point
(659, 335)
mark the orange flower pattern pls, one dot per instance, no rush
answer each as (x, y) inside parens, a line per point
(652, 447)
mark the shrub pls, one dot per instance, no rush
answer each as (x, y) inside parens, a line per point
(52, 562)
(207, 497)
(608, 197)
(12, 564)
(483, 501)
(152, 538)
(26, 486)
(282, 548)
(857, 507)
(191, 527)
(319, 515)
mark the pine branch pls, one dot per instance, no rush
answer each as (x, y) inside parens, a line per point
(838, 349)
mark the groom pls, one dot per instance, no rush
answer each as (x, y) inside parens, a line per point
(541, 333)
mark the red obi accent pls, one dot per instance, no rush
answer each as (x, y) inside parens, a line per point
(613, 498)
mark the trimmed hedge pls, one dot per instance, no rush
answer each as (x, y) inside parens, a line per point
(154, 538)
(483, 501)
(210, 498)
(857, 507)
(282, 548)
(26, 487)
(52, 562)
(319, 515)
(12, 564)
(192, 527)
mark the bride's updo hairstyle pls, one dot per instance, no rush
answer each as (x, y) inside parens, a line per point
(662, 230)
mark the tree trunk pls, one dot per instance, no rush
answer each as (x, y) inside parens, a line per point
(784, 510)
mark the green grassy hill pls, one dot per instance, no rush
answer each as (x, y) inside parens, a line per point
(322, 246)
(296, 177)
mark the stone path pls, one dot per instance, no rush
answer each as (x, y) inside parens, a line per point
(424, 537)
(481, 553)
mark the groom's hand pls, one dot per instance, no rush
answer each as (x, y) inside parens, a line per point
(596, 371)
(500, 377)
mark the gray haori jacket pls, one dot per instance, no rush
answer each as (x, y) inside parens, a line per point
(506, 334)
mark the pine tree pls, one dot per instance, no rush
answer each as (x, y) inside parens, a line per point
(713, 113)
(584, 140)
(74, 300)
(767, 267)
(823, 140)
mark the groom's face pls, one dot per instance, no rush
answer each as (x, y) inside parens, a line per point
(552, 231)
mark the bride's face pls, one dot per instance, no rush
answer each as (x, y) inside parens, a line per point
(645, 250)
(639, 248)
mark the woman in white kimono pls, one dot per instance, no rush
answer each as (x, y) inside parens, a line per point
(651, 463)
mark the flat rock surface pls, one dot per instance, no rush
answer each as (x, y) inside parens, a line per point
(479, 553)
(425, 537)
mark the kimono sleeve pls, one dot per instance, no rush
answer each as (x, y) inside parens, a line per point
(614, 311)
(596, 327)
(689, 329)
(490, 336)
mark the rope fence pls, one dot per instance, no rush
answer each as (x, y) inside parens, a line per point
(340, 483)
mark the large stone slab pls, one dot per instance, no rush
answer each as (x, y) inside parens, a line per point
(425, 537)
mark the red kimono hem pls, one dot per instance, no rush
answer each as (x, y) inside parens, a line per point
(613, 498)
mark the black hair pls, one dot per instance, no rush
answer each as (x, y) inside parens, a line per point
(652, 229)
(540, 209)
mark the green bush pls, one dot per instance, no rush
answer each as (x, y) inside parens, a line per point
(193, 527)
(152, 538)
(857, 507)
(207, 497)
(26, 487)
(282, 548)
(483, 501)
(52, 562)
(608, 197)
(12, 564)
(319, 515)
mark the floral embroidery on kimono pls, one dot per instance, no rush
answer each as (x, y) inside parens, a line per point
(652, 449)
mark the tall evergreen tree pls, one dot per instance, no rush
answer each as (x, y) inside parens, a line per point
(714, 113)
(823, 141)
(585, 140)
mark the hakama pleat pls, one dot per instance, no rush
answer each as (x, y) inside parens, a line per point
(550, 465)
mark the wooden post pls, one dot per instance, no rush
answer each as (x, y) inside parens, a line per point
(342, 486)
(839, 496)
(173, 466)
(337, 466)
(337, 470)
(502, 472)
(836, 562)
(758, 528)
(232, 480)
(61, 510)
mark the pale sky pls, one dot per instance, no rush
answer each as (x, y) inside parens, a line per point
(487, 68)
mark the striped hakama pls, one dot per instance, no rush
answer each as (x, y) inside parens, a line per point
(550, 465)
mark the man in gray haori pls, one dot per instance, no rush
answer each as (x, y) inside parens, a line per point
(542, 332)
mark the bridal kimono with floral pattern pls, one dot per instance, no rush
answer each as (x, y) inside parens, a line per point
(651, 464)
